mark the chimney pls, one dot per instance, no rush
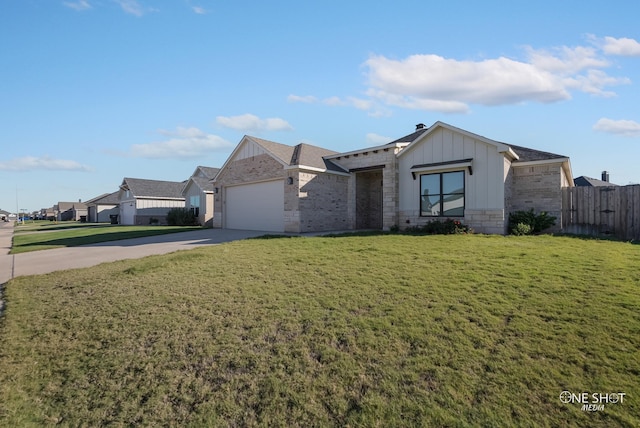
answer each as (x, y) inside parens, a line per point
(605, 176)
(420, 126)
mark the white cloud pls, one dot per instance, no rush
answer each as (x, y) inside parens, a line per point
(448, 85)
(333, 101)
(131, 7)
(309, 99)
(360, 103)
(44, 163)
(565, 60)
(199, 10)
(622, 46)
(433, 82)
(377, 140)
(625, 128)
(77, 5)
(184, 143)
(250, 122)
(594, 81)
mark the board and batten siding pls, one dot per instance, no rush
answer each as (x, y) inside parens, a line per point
(249, 150)
(150, 204)
(484, 189)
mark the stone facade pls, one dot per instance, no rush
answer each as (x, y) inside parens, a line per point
(366, 161)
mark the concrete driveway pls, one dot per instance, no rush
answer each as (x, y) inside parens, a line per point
(41, 262)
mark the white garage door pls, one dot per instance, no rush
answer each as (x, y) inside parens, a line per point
(258, 206)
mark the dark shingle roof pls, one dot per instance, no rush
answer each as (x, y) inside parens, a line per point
(209, 172)
(204, 184)
(584, 181)
(104, 199)
(281, 151)
(411, 137)
(65, 206)
(300, 155)
(154, 188)
(525, 154)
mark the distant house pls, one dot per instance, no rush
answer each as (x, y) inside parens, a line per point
(198, 194)
(48, 213)
(70, 211)
(433, 173)
(143, 202)
(4, 215)
(584, 181)
(101, 208)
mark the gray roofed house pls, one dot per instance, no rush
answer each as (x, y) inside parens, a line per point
(198, 194)
(433, 173)
(584, 181)
(143, 202)
(103, 208)
(70, 211)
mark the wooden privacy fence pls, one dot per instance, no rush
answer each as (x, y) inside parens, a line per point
(610, 211)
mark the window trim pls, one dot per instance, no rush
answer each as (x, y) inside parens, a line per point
(442, 166)
(464, 194)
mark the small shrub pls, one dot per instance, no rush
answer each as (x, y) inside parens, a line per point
(181, 217)
(521, 229)
(435, 227)
(536, 222)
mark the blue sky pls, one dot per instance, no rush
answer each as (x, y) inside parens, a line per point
(92, 91)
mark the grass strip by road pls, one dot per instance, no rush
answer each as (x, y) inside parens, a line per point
(392, 330)
(90, 234)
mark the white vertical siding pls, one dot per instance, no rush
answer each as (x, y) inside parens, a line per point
(484, 188)
(248, 150)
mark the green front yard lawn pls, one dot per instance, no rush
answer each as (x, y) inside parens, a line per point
(459, 330)
(48, 235)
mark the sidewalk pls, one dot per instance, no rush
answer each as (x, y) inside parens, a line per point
(6, 261)
(45, 261)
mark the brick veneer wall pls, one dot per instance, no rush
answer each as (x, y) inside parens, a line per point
(538, 187)
(322, 202)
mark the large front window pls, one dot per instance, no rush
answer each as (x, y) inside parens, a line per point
(442, 194)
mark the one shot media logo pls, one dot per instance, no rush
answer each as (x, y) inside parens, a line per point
(592, 401)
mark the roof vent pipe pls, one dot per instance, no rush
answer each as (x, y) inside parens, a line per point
(605, 176)
(420, 126)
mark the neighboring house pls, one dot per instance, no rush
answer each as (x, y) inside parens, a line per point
(584, 181)
(48, 213)
(103, 208)
(143, 202)
(4, 215)
(198, 194)
(70, 211)
(434, 173)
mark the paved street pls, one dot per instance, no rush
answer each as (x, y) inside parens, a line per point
(41, 262)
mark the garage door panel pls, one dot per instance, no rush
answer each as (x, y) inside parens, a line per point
(256, 206)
